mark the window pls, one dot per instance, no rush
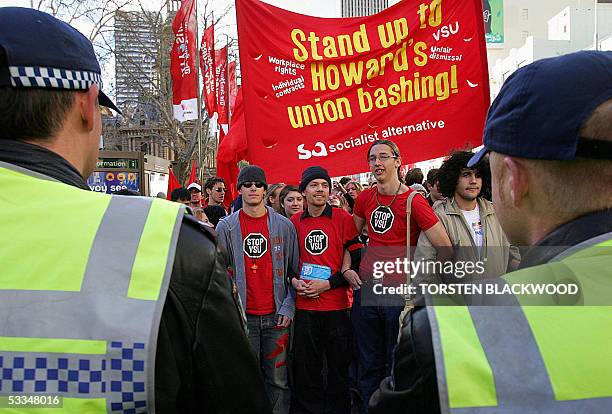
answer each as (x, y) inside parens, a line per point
(524, 14)
(524, 35)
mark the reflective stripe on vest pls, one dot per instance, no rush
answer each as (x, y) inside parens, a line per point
(83, 283)
(517, 358)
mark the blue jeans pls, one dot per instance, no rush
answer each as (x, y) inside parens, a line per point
(271, 346)
(376, 329)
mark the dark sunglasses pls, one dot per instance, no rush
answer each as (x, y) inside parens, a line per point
(249, 184)
(220, 190)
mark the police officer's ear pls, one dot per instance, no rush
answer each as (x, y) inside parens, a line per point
(515, 180)
(88, 107)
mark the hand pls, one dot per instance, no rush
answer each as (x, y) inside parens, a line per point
(283, 321)
(353, 278)
(316, 287)
(299, 285)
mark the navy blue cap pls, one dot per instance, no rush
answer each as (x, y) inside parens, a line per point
(541, 108)
(41, 51)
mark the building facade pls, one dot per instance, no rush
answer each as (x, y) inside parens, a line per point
(357, 8)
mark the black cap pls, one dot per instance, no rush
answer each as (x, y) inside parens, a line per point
(313, 173)
(542, 106)
(44, 52)
(252, 173)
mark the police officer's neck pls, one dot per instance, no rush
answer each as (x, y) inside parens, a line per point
(258, 210)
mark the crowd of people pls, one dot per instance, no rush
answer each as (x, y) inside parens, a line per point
(267, 303)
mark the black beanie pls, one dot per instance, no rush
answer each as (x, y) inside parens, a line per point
(312, 173)
(252, 173)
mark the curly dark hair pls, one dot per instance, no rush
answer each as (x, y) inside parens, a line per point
(448, 175)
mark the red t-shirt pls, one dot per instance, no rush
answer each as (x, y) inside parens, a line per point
(257, 264)
(387, 226)
(322, 241)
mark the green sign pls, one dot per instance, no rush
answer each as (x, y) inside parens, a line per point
(122, 163)
(493, 15)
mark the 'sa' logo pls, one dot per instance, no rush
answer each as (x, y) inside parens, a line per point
(381, 219)
(319, 151)
(316, 242)
(255, 245)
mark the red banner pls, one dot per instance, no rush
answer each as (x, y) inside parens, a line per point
(233, 148)
(320, 91)
(233, 87)
(207, 66)
(182, 63)
(221, 76)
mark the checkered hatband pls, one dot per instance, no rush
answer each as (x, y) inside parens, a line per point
(41, 77)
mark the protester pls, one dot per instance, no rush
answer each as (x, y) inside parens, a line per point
(414, 176)
(353, 188)
(263, 254)
(195, 190)
(344, 181)
(214, 214)
(525, 358)
(432, 185)
(383, 208)
(113, 303)
(322, 330)
(470, 220)
(181, 195)
(419, 189)
(215, 191)
(291, 201)
(272, 196)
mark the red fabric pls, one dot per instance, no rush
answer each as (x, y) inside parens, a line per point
(233, 87)
(221, 80)
(283, 79)
(172, 183)
(339, 229)
(259, 283)
(183, 61)
(422, 217)
(232, 149)
(207, 66)
(193, 175)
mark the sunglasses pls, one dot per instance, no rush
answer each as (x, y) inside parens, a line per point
(220, 190)
(249, 184)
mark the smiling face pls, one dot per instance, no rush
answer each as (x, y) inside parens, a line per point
(383, 163)
(293, 203)
(469, 184)
(317, 192)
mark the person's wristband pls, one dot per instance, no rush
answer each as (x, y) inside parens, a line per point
(344, 271)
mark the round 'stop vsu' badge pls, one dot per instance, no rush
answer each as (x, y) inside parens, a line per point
(255, 245)
(316, 242)
(382, 219)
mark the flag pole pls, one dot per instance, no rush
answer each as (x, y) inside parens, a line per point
(199, 121)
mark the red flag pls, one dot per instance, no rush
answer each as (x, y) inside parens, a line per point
(232, 149)
(182, 63)
(221, 75)
(233, 87)
(193, 177)
(320, 91)
(207, 66)
(173, 183)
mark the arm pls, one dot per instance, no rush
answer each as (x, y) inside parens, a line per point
(439, 239)
(287, 309)
(359, 223)
(201, 337)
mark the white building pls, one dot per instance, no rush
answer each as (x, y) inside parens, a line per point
(355, 8)
(546, 28)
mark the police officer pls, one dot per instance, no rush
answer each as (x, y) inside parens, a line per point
(116, 304)
(549, 133)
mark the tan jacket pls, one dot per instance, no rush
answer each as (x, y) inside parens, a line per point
(496, 251)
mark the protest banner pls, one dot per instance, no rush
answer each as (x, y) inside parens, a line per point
(319, 91)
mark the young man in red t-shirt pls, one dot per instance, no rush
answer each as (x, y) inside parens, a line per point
(383, 209)
(263, 253)
(322, 329)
